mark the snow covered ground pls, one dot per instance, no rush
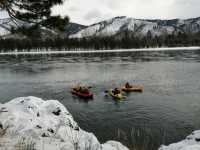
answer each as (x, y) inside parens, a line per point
(41, 52)
(32, 123)
(192, 142)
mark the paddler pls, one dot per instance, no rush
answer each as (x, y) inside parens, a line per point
(127, 85)
(116, 91)
(77, 88)
(81, 89)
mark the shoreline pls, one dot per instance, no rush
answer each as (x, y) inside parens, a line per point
(43, 130)
(99, 51)
(34, 123)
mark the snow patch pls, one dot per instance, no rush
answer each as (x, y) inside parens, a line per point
(192, 142)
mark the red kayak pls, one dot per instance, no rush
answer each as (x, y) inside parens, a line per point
(82, 95)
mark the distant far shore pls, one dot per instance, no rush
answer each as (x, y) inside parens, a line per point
(81, 51)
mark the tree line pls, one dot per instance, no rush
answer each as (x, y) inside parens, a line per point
(38, 14)
(100, 43)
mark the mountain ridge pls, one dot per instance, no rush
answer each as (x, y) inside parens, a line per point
(139, 27)
(7, 25)
(117, 27)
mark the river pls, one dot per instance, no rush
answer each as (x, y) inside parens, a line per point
(166, 112)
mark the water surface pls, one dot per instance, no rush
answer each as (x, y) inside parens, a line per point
(166, 112)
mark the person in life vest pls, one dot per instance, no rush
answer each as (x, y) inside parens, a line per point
(127, 85)
(116, 91)
(81, 89)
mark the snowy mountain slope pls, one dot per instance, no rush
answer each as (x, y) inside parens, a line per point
(32, 123)
(117, 26)
(7, 24)
(72, 28)
(139, 27)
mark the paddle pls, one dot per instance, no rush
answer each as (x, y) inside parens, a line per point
(106, 91)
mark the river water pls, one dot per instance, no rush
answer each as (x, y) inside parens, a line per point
(166, 112)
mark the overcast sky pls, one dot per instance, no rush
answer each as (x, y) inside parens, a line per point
(91, 11)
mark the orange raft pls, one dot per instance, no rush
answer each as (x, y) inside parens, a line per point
(135, 88)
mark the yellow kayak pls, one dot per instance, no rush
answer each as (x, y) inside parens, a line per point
(116, 96)
(136, 88)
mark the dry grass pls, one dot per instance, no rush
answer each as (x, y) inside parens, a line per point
(141, 138)
(25, 144)
(22, 144)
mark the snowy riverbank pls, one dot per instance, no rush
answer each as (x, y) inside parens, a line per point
(32, 123)
(39, 52)
(44, 125)
(192, 142)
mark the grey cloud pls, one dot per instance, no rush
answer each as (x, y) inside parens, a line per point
(186, 8)
(90, 11)
(113, 4)
(183, 2)
(93, 14)
(74, 9)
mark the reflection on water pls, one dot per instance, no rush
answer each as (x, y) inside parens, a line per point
(166, 112)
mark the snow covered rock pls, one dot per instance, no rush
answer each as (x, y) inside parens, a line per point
(30, 122)
(192, 142)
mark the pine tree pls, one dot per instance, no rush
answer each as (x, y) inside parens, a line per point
(33, 11)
